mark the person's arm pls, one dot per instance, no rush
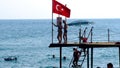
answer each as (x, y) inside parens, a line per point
(79, 52)
(55, 25)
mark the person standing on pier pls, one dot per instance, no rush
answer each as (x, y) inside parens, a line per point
(65, 31)
(84, 40)
(59, 25)
(76, 56)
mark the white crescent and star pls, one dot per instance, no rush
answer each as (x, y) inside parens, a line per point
(59, 8)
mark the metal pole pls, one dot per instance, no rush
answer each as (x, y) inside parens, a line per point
(87, 57)
(91, 33)
(52, 21)
(60, 57)
(85, 32)
(80, 36)
(92, 57)
(119, 57)
(108, 35)
(65, 17)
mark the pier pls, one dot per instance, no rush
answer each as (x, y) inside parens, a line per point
(88, 45)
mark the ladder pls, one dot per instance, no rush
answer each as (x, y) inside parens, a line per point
(84, 52)
(80, 61)
(82, 58)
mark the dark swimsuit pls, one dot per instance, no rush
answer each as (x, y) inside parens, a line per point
(65, 30)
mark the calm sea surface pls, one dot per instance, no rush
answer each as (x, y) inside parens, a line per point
(29, 41)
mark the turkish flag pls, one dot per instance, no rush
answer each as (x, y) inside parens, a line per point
(59, 8)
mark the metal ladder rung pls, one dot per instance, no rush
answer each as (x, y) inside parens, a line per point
(82, 55)
(81, 60)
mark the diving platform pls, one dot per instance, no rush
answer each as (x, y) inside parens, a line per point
(89, 45)
(86, 45)
(89, 48)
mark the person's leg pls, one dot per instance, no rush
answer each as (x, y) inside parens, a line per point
(65, 37)
(60, 37)
(74, 62)
(77, 61)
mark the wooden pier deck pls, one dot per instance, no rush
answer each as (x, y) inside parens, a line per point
(87, 45)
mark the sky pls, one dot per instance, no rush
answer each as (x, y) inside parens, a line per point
(42, 9)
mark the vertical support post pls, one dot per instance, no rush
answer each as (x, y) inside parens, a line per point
(87, 57)
(60, 57)
(119, 57)
(92, 57)
(80, 36)
(108, 35)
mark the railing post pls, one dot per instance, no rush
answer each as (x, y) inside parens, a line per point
(91, 33)
(80, 36)
(84, 33)
(108, 35)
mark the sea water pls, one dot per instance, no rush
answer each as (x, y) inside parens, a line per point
(29, 41)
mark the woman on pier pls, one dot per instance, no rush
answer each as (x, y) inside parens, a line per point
(65, 31)
(59, 25)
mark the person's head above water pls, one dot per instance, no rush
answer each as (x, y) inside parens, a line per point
(74, 49)
(109, 65)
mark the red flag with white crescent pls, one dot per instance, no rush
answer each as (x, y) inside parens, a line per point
(59, 8)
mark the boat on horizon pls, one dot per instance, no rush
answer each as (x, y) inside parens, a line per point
(79, 22)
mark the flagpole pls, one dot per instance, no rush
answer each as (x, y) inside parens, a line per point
(52, 21)
(65, 17)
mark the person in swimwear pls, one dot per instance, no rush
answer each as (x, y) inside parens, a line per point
(59, 25)
(65, 31)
